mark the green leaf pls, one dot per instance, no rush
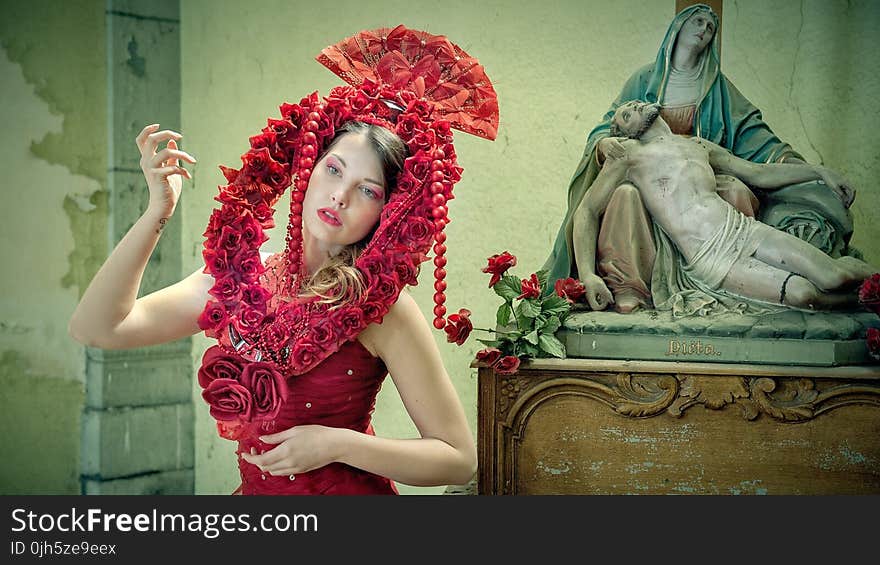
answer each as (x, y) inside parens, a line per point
(503, 315)
(532, 337)
(525, 323)
(555, 305)
(508, 288)
(551, 325)
(490, 342)
(529, 349)
(529, 307)
(551, 345)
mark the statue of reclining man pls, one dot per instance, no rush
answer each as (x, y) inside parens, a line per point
(720, 250)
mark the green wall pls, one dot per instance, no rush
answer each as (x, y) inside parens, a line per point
(810, 66)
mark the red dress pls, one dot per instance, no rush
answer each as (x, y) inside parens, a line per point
(340, 393)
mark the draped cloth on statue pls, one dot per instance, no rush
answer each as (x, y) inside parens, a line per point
(725, 117)
(690, 288)
(341, 393)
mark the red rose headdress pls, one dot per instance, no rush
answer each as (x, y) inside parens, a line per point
(417, 85)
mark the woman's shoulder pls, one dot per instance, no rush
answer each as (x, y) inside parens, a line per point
(403, 316)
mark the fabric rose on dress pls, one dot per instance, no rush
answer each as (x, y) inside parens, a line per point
(507, 365)
(268, 389)
(229, 400)
(498, 265)
(570, 289)
(459, 327)
(530, 287)
(217, 364)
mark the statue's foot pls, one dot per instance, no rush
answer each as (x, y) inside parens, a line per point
(627, 303)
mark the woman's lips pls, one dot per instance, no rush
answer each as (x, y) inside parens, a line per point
(329, 216)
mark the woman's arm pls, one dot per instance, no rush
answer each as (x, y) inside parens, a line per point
(445, 453)
(110, 315)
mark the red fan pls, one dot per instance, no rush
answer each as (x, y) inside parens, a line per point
(430, 66)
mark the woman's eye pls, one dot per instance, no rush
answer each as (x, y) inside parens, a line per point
(369, 192)
(332, 169)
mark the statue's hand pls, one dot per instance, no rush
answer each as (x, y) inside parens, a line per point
(841, 187)
(611, 148)
(597, 294)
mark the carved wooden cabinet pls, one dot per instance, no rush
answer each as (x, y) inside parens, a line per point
(592, 426)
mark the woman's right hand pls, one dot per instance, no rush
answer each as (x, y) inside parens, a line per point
(596, 292)
(162, 168)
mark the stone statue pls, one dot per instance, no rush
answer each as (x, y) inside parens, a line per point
(696, 99)
(721, 255)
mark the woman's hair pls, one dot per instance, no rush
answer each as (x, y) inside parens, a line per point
(338, 281)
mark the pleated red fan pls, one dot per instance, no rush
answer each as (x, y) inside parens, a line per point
(430, 66)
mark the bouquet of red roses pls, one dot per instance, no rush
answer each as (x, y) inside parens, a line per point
(869, 296)
(528, 318)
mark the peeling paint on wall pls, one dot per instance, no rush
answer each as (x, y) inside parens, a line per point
(89, 227)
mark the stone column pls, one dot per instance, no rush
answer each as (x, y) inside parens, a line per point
(138, 422)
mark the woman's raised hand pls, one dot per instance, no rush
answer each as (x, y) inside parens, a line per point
(162, 168)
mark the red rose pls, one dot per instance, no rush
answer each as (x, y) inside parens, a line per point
(498, 265)
(570, 289)
(405, 269)
(251, 232)
(266, 139)
(304, 353)
(213, 316)
(275, 335)
(264, 214)
(530, 287)
(873, 340)
(226, 289)
(373, 312)
(417, 231)
(230, 238)
(250, 318)
(443, 130)
(217, 364)
(349, 320)
(283, 130)
(277, 177)
(294, 113)
(228, 400)
(489, 356)
(323, 335)
(255, 296)
(409, 125)
(458, 327)
(869, 293)
(229, 174)
(383, 288)
(420, 108)
(406, 183)
(256, 161)
(507, 365)
(425, 140)
(248, 265)
(419, 165)
(268, 389)
(216, 261)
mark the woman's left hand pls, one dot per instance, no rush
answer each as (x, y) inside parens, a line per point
(299, 449)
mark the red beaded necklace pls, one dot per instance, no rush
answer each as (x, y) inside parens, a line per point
(418, 86)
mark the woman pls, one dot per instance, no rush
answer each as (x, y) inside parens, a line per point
(695, 99)
(306, 337)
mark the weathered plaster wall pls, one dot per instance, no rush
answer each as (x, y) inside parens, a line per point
(52, 153)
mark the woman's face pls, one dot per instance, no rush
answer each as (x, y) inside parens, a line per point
(346, 193)
(696, 32)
